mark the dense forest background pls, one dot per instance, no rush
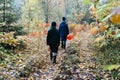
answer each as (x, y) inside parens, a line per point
(93, 47)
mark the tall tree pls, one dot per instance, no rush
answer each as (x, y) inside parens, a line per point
(47, 9)
(8, 12)
(31, 13)
(9, 16)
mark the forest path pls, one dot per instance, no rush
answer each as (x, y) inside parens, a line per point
(77, 63)
(74, 65)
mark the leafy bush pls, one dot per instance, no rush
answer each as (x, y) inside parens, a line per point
(106, 43)
(4, 54)
(115, 71)
(8, 41)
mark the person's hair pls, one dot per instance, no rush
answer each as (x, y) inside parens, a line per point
(63, 18)
(53, 23)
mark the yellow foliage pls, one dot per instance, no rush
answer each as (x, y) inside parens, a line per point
(94, 30)
(100, 24)
(115, 19)
(99, 39)
(31, 78)
(8, 38)
(93, 8)
(102, 29)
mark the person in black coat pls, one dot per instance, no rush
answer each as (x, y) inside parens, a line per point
(53, 40)
(63, 31)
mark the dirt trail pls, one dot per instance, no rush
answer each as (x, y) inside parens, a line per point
(77, 63)
(89, 68)
(85, 70)
(51, 71)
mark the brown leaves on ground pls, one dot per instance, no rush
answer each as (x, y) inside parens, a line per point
(78, 62)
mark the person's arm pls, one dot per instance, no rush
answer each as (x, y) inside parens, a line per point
(58, 39)
(47, 41)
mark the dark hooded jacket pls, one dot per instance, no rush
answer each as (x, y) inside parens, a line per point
(63, 30)
(53, 37)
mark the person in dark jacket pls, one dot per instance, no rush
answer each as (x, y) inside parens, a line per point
(53, 40)
(63, 31)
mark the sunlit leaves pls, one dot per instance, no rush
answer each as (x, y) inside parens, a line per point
(8, 41)
(103, 28)
(99, 39)
(115, 19)
(89, 1)
(86, 1)
(107, 41)
(94, 30)
(111, 67)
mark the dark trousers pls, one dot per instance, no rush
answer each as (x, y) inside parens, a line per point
(63, 44)
(53, 53)
(63, 41)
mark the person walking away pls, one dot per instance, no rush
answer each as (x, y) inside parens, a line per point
(53, 40)
(64, 31)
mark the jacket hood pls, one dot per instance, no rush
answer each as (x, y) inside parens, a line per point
(63, 22)
(52, 28)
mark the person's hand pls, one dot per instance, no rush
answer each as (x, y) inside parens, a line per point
(48, 48)
(69, 37)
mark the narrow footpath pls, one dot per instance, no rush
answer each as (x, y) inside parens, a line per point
(77, 63)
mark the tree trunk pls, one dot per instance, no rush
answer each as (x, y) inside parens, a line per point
(4, 11)
(46, 18)
(66, 7)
